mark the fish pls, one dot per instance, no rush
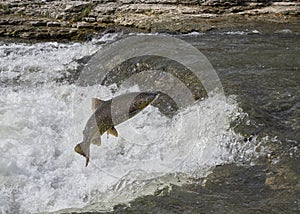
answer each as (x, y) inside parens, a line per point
(110, 113)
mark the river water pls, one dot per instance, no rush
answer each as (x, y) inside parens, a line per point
(243, 142)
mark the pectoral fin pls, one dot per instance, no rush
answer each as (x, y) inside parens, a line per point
(96, 103)
(97, 141)
(113, 131)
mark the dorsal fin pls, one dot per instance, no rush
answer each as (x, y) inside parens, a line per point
(96, 103)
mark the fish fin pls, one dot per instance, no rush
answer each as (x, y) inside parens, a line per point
(112, 131)
(97, 141)
(83, 150)
(96, 103)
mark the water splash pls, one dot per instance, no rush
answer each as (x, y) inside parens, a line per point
(40, 171)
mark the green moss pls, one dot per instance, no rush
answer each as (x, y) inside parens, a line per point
(77, 18)
(20, 13)
(85, 12)
(5, 7)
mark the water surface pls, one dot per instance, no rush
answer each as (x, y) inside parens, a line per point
(41, 122)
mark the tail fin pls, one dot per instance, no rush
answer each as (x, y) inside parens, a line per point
(84, 150)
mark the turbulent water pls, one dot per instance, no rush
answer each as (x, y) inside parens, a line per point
(42, 120)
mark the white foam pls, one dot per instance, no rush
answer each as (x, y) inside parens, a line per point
(235, 33)
(106, 38)
(194, 33)
(39, 127)
(42, 61)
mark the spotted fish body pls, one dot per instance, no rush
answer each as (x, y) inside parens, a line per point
(108, 114)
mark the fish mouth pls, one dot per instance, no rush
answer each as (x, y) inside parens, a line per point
(153, 96)
(156, 97)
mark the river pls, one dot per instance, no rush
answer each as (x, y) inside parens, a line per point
(214, 155)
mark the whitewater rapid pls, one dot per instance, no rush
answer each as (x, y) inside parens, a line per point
(41, 122)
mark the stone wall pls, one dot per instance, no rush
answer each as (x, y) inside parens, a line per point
(67, 19)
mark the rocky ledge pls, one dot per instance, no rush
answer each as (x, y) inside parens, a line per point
(77, 20)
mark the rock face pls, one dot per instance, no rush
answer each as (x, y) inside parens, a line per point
(68, 19)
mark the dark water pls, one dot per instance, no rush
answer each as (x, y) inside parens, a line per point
(263, 70)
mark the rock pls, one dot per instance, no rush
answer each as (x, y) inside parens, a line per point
(26, 35)
(286, 3)
(76, 6)
(106, 9)
(81, 25)
(284, 31)
(89, 19)
(2, 32)
(74, 25)
(105, 19)
(44, 18)
(281, 177)
(4, 22)
(53, 24)
(38, 23)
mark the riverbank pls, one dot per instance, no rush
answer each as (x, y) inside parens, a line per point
(80, 20)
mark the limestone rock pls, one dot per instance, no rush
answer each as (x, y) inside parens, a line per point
(76, 6)
(81, 25)
(53, 24)
(43, 18)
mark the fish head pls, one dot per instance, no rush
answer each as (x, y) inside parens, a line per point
(141, 101)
